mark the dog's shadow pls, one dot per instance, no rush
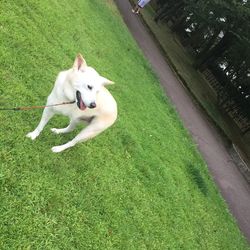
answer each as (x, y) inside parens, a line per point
(59, 121)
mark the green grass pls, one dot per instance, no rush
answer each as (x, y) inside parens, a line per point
(139, 185)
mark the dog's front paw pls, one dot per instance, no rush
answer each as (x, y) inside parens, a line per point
(33, 135)
(56, 130)
(57, 149)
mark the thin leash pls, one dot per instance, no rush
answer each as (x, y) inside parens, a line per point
(36, 107)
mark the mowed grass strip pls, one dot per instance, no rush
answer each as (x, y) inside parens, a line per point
(139, 185)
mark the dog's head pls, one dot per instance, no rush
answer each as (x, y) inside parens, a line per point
(86, 83)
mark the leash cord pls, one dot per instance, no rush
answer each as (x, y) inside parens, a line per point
(36, 107)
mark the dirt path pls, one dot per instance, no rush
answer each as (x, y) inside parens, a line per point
(231, 183)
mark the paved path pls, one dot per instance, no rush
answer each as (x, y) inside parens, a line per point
(231, 183)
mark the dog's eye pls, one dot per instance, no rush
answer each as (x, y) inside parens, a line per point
(90, 87)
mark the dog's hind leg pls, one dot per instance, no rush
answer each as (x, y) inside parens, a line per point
(96, 126)
(68, 129)
(48, 113)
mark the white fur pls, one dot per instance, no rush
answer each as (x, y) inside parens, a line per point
(80, 78)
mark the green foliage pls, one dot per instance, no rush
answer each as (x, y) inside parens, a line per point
(129, 188)
(217, 33)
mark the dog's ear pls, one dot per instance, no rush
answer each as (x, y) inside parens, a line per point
(79, 63)
(105, 81)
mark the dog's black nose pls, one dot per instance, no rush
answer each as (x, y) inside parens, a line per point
(92, 105)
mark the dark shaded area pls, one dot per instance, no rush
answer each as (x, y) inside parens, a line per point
(197, 178)
(217, 35)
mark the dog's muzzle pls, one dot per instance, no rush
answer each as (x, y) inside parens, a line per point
(80, 102)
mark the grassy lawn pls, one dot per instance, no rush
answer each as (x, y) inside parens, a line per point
(139, 185)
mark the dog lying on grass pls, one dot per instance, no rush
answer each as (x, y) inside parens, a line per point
(93, 103)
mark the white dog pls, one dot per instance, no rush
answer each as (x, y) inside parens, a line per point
(93, 103)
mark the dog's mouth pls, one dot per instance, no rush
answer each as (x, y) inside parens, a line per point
(80, 102)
